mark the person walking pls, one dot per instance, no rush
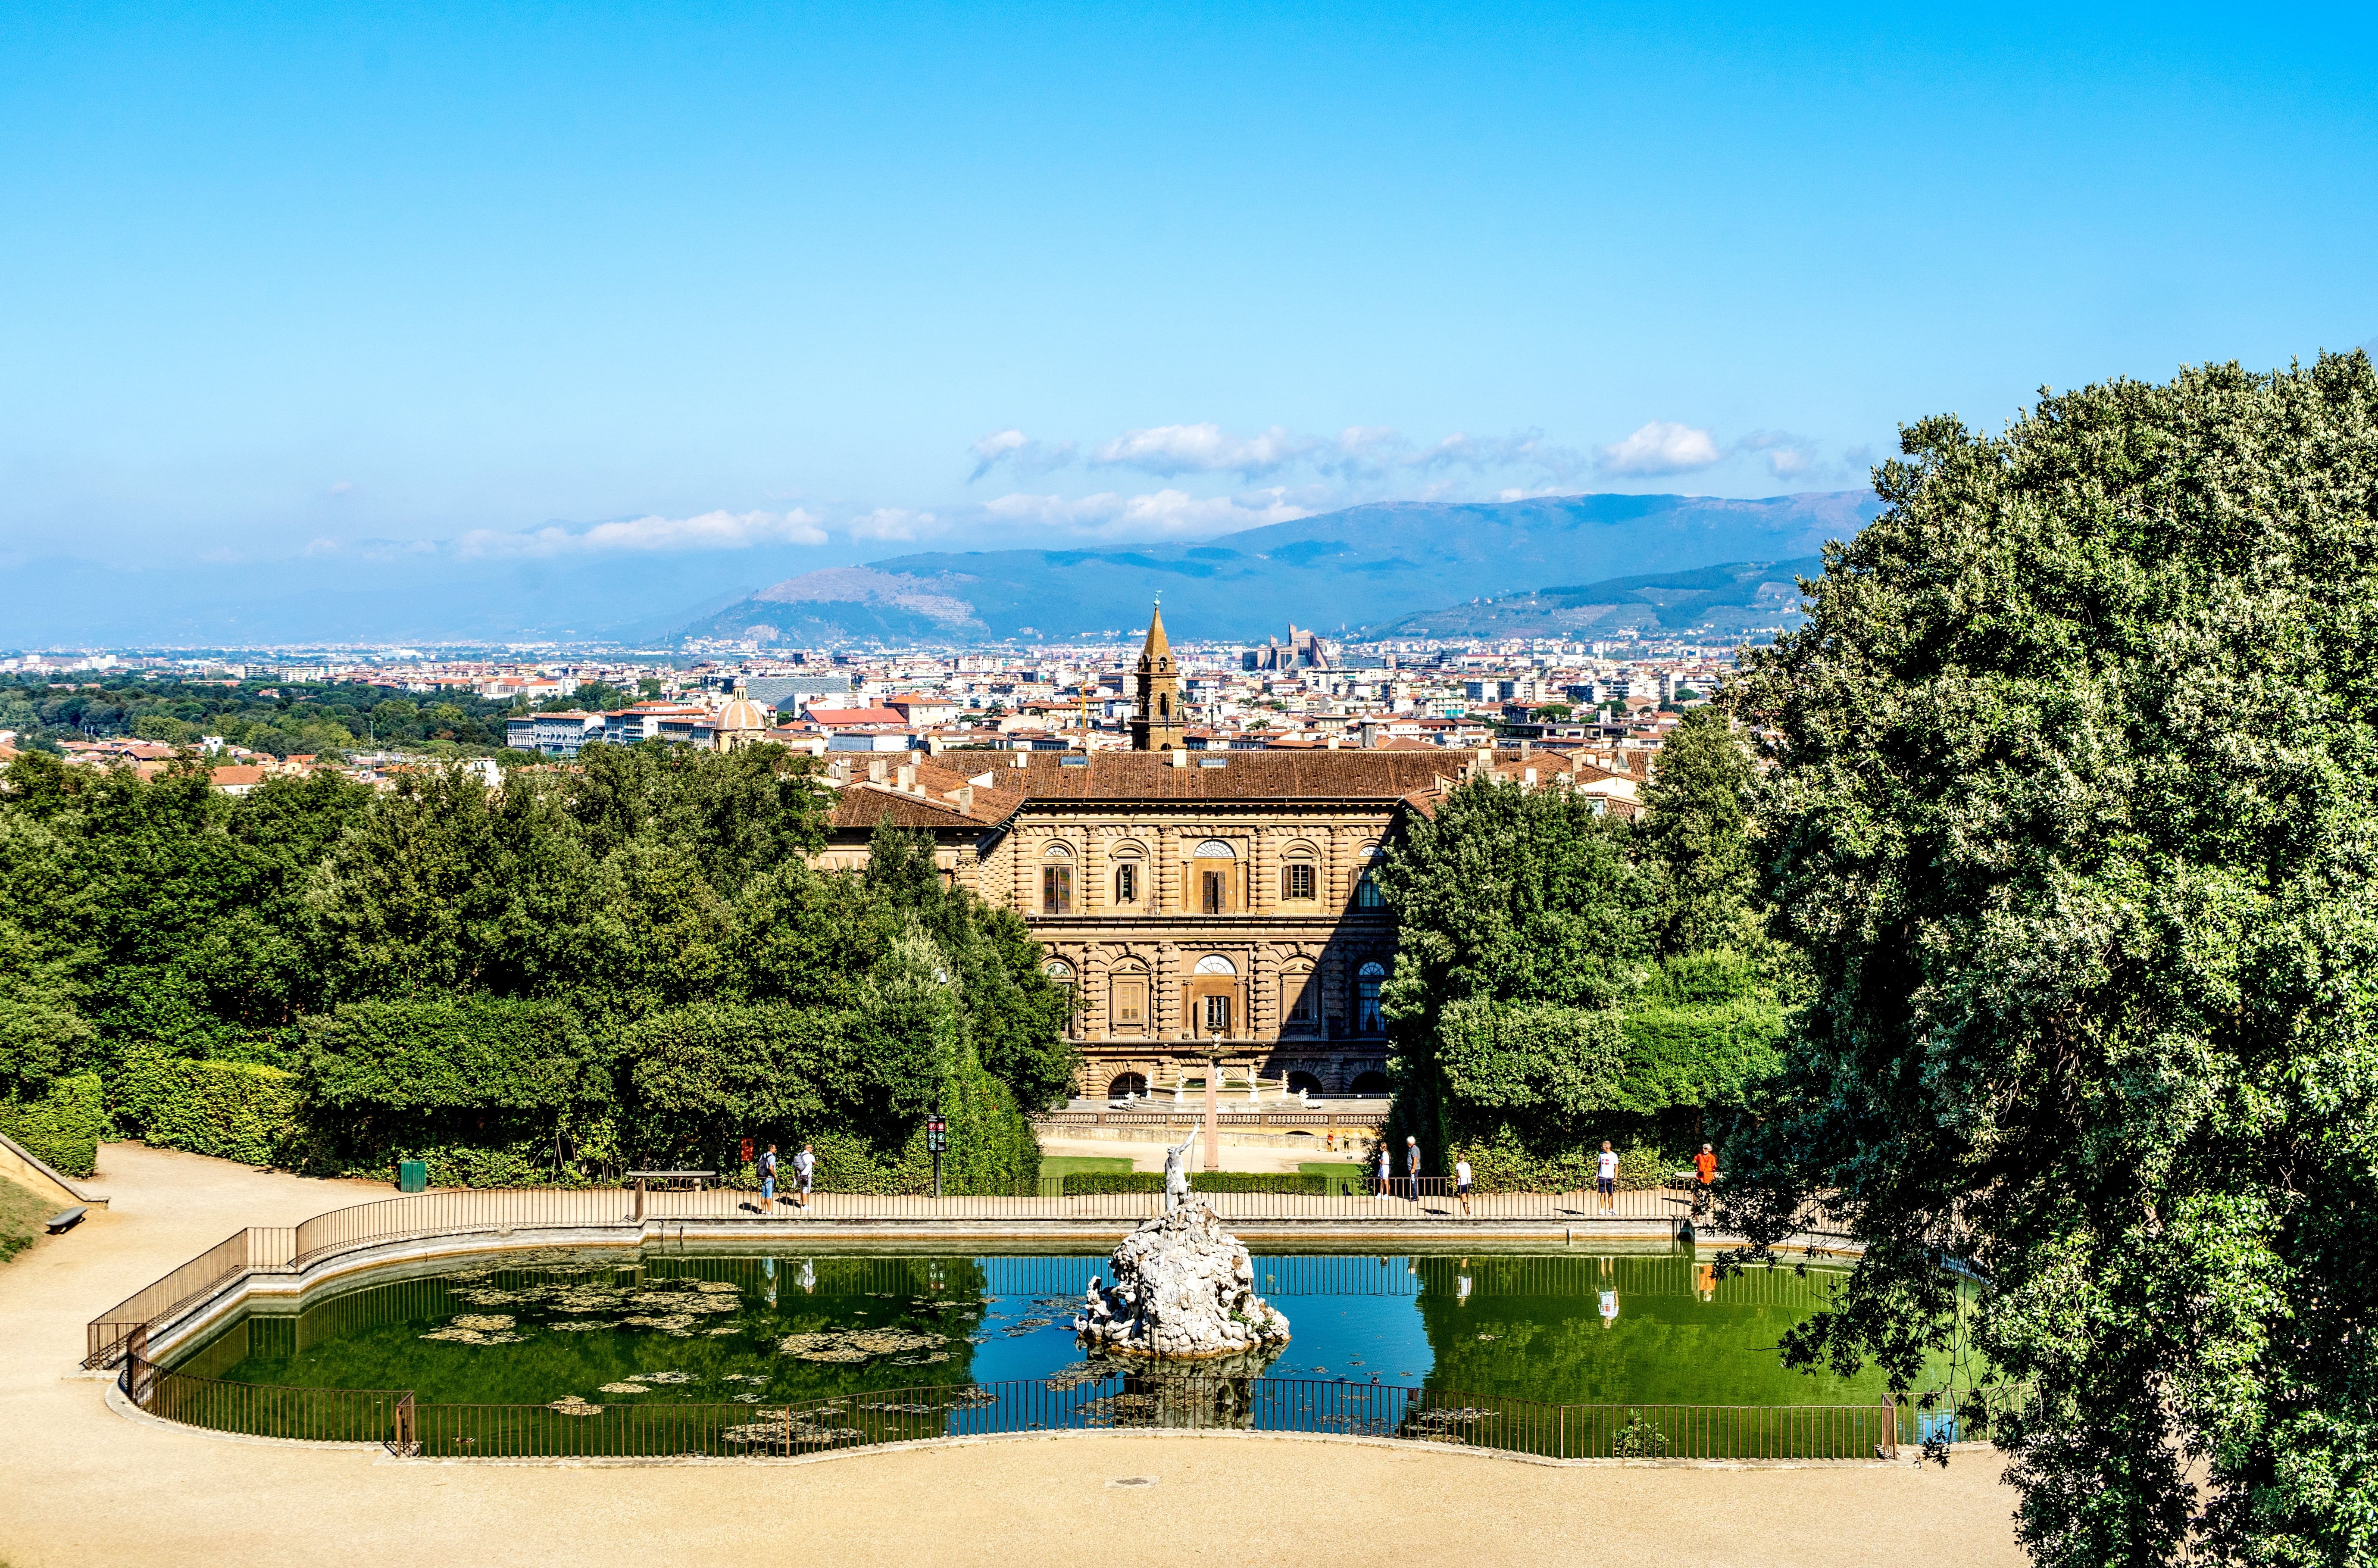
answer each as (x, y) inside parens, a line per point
(768, 1182)
(805, 1168)
(1387, 1172)
(1412, 1164)
(1705, 1163)
(1606, 1178)
(1461, 1182)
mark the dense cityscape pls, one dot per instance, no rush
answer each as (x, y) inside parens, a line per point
(359, 709)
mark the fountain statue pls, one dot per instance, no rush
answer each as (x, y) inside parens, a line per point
(1176, 1173)
(1183, 1289)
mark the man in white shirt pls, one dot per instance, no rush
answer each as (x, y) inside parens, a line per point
(1606, 1178)
(1461, 1182)
(805, 1170)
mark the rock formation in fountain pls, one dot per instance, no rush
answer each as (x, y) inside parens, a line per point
(1184, 1289)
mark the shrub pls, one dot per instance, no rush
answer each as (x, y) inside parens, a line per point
(1097, 1184)
(230, 1109)
(65, 1127)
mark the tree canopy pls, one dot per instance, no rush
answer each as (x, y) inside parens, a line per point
(2074, 816)
(452, 966)
(1562, 977)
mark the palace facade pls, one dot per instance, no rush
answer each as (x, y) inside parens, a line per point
(1189, 898)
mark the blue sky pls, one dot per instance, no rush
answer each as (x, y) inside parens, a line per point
(789, 286)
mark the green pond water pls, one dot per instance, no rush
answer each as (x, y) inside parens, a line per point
(626, 1328)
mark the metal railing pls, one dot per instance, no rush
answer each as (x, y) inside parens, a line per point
(1192, 1112)
(502, 1211)
(308, 1414)
(1120, 1400)
(256, 1250)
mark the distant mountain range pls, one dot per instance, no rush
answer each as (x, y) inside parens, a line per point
(1396, 564)
(1726, 601)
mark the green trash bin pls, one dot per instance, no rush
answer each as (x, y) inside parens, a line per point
(413, 1176)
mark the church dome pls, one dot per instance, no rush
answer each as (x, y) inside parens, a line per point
(742, 714)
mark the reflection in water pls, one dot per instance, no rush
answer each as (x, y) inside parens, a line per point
(661, 1328)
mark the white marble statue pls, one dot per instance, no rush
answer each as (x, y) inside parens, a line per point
(1176, 1173)
(1184, 1288)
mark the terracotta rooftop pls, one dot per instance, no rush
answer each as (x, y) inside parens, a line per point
(1242, 775)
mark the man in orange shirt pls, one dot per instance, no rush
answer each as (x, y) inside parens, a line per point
(1706, 1163)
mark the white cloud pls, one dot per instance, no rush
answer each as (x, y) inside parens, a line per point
(1169, 450)
(343, 487)
(1661, 447)
(893, 522)
(1019, 452)
(1788, 456)
(709, 531)
(1159, 512)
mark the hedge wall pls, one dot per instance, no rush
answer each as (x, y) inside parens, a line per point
(1097, 1183)
(65, 1127)
(232, 1110)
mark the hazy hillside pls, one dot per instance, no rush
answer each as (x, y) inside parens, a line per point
(1371, 565)
(1724, 601)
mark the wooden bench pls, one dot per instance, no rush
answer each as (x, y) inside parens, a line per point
(66, 1219)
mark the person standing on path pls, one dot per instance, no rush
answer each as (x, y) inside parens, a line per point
(768, 1182)
(1387, 1172)
(1412, 1164)
(805, 1166)
(1705, 1163)
(1606, 1178)
(1461, 1182)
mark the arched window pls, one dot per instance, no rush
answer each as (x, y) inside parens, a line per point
(1215, 963)
(1163, 706)
(1367, 980)
(1062, 974)
(1129, 859)
(1300, 881)
(1127, 1083)
(1370, 1083)
(1215, 893)
(1303, 1081)
(1057, 880)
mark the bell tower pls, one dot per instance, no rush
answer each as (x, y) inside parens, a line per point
(1157, 727)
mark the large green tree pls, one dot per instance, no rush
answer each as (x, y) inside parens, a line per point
(2074, 814)
(1695, 834)
(426, 958)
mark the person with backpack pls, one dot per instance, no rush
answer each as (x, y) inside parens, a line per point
(805, 1168)
(768, 1182)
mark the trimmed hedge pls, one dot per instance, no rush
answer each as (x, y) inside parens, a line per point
(1097, 1183)
(65, 1127)
(233, 1110)
(1504, 1162)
